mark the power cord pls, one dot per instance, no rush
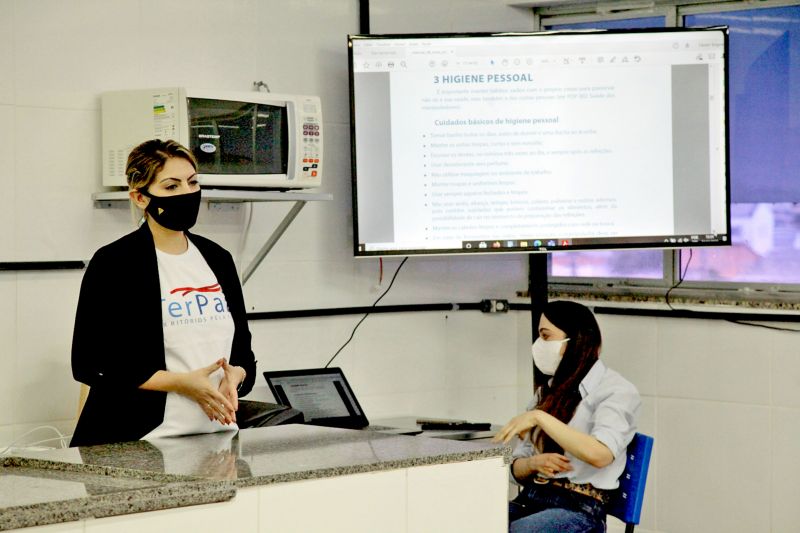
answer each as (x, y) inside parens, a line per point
(61, 437)
(754, 325)
(243, 239)
(396, 272)
(681, 277)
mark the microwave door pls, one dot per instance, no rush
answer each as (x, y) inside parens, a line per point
(270, 148)
(222, 136)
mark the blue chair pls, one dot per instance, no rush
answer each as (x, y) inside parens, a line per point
(626, 502)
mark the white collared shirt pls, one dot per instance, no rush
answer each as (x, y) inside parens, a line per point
(609, 412)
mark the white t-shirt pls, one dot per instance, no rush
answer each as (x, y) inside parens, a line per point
(198, 330)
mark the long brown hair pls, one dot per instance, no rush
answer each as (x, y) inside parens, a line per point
(561, 396)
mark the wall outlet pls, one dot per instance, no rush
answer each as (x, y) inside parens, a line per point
(494, 306)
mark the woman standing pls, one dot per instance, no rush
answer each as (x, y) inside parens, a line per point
(161, 335)
(576, 430)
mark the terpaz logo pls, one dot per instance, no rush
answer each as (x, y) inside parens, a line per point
(194, 304)
(186, 290)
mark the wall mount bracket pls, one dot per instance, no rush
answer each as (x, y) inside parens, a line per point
(104, 200)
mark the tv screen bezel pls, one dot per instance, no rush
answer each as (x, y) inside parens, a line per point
(619, 243)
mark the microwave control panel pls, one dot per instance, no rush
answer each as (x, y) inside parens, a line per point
(312, 149)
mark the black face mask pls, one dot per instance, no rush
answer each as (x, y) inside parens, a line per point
(178, 213)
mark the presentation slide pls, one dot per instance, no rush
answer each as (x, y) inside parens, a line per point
(507, 152)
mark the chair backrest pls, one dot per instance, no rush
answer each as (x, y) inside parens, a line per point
(626, 502)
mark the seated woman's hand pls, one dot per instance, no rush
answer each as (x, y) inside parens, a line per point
(549, 464)
(197, 386)
(520, 425)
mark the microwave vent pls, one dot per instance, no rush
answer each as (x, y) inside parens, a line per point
(116, 162)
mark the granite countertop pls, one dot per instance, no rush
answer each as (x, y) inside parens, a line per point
(139, 476)
(36, 492)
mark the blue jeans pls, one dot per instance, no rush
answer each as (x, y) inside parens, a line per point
(548, 509)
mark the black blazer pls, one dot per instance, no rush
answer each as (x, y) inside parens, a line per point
(118, 341)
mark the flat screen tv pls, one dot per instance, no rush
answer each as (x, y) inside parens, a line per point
(538, 142)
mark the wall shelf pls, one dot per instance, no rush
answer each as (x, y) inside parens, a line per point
(109, 199)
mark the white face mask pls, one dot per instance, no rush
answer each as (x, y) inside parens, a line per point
(547, 355)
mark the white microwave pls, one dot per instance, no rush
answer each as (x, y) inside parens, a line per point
(240, 139)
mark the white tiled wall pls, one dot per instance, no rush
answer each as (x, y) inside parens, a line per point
(8, 218)
(42, 378)
(719, 436)
(7, 53)
(785, 469)
(785, 370)
(722, 401)
(629, 344)
(56, 162)
(8, 350)
(203, 43)
(689, 366)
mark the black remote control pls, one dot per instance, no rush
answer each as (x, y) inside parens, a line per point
(474, 426)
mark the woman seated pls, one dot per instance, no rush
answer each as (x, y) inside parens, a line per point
(576, 431)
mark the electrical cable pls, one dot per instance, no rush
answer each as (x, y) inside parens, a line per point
(61, 440)
(754, 325)
(60, 437)
(396, 272)
(245, 231)
(681, 277)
